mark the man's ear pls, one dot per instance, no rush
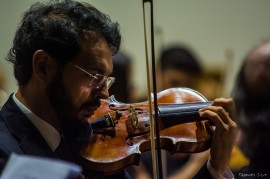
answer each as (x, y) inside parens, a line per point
(41, 64)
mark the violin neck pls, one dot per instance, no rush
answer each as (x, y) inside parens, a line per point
(174, 114)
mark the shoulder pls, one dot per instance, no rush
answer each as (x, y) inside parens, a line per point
(8, 143)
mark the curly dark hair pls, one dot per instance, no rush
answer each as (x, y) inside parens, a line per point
(180, 57)
(57, 28)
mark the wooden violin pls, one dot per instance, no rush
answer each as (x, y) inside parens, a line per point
(121, 132)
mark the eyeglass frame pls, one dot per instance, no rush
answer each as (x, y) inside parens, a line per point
(105, 79)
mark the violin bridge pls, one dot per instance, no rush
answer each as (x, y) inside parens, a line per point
(133, 116)
(134, 127)
(132, 121)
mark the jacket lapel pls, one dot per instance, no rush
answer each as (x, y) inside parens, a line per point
(28, 137)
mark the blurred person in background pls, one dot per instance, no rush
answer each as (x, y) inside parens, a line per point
(252, 99)
(178, 66)
(123, 89)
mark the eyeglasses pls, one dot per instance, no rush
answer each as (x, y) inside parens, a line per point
(97, 81)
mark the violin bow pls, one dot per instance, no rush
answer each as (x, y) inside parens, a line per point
(154, 122)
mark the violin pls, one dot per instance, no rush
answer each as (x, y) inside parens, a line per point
(121, 131)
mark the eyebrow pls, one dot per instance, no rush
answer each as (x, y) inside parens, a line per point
(94, 63)
(98, 69)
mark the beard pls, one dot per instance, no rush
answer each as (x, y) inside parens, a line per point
(74, 128)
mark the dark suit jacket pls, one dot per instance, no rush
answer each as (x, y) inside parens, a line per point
(18, 134)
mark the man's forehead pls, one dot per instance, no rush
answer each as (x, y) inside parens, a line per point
(257, 69)
(259, 57)
(95, 53)
(261, 52)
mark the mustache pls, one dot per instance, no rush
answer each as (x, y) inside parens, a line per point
(96, 102)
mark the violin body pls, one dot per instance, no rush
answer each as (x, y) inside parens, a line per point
(112, 149)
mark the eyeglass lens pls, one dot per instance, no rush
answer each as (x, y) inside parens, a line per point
(102, 81)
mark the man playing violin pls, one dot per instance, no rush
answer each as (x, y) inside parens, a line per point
(62, 56)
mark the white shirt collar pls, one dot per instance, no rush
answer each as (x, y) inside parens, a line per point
(49, 133)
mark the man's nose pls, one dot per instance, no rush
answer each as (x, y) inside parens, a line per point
(102, 93)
